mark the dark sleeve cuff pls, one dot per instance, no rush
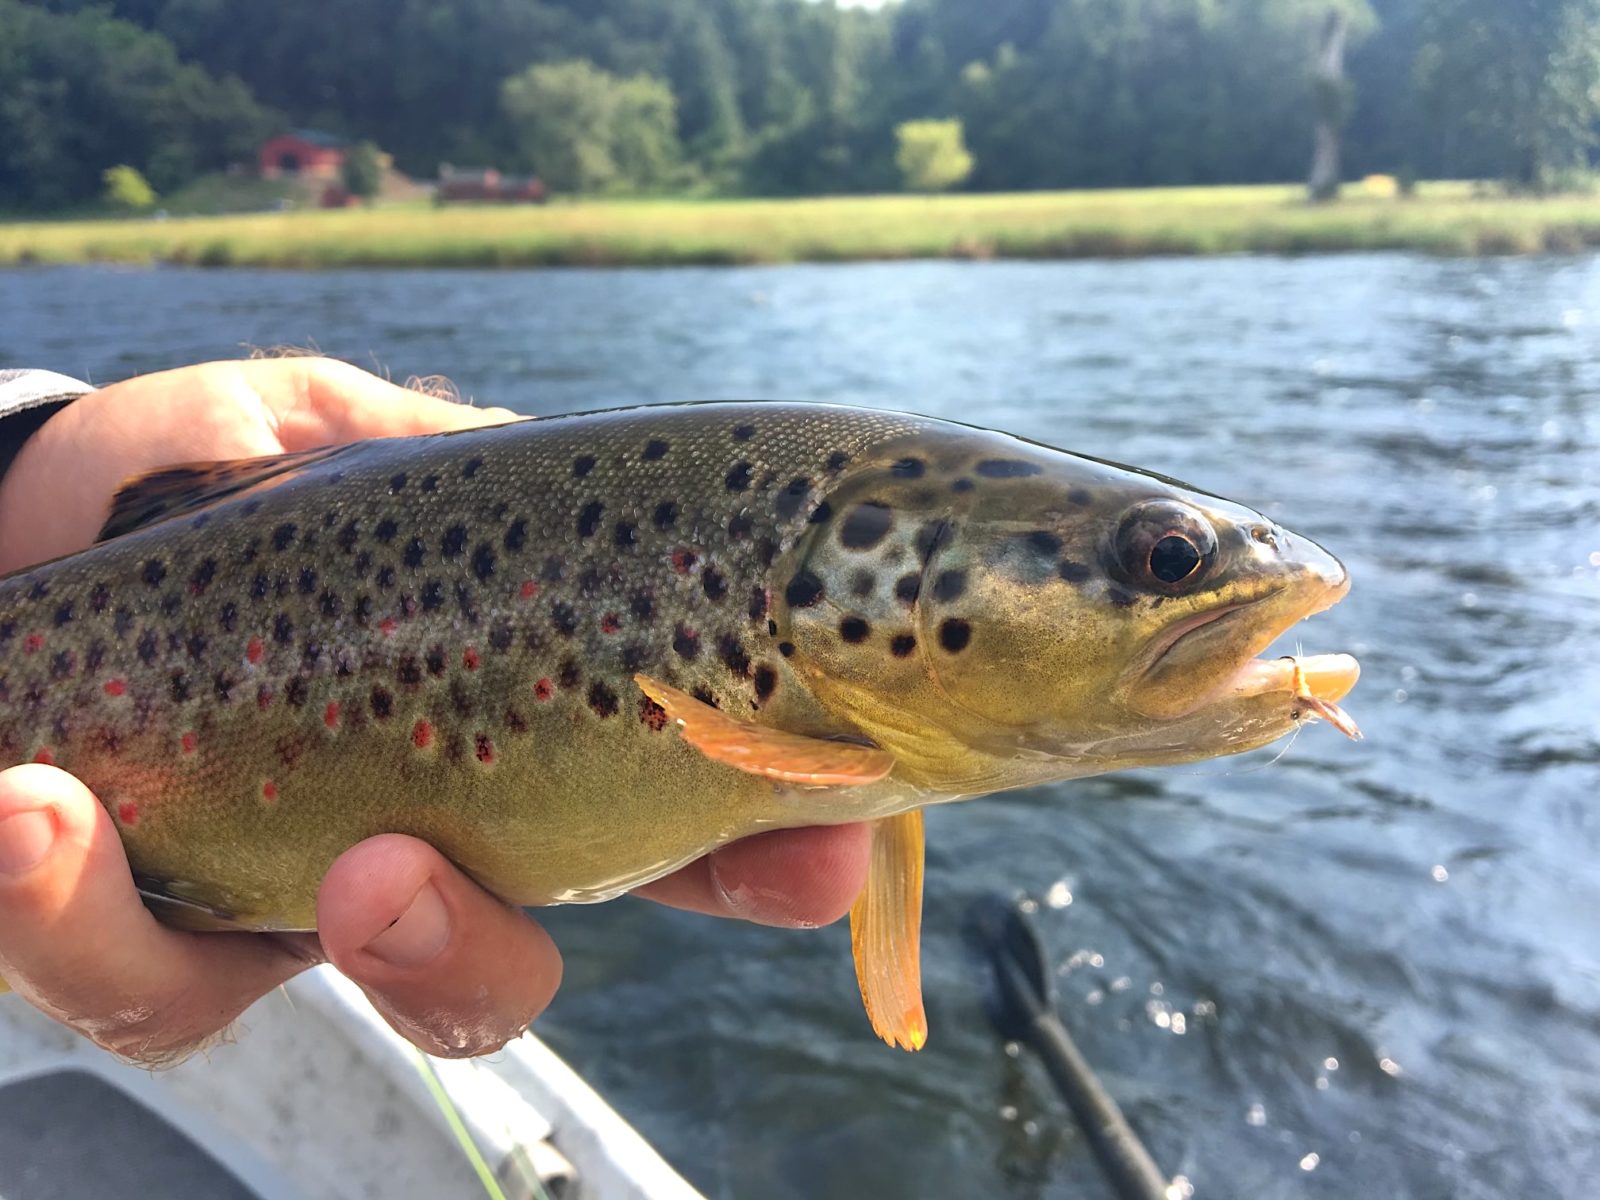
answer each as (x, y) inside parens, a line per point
(27, 400)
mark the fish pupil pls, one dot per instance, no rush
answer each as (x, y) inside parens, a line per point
(1174, 558)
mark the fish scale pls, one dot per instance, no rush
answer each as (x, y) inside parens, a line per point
(575, 654)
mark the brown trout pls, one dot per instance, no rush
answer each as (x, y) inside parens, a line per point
(576, 653)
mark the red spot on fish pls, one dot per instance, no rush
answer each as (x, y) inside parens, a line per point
(190, 742)
(422, 735)
(485, 749)
(269, 791)
(530, 589)
(388, 625)
(128, 813)
(45, 756)
(114, 687)
(469, 659)
(543, 690)
(264, 697)
(610, 623)
(330, 715)
(652, 714)
(682, 560)
(33, 643)
(254, 650)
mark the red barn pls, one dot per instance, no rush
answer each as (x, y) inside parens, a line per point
(305, 152)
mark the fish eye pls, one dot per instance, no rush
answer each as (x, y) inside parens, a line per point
(1164, 545)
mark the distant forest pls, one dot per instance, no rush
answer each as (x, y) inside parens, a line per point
(794, 96)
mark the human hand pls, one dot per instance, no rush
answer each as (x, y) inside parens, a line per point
(451, 967)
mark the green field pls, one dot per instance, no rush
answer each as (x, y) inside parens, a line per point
(1442, 218)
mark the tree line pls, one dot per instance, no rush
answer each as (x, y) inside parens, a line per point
(797, 96)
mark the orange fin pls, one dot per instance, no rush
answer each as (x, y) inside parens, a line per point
(886, 933)
(4, 987)
(189, 487)
(792, 757)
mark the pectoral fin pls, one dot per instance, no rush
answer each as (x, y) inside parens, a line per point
(886, 933)
(792, 757)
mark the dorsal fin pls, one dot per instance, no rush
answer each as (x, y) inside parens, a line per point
(144, 500)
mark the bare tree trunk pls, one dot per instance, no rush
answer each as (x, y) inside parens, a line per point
(1323, 183)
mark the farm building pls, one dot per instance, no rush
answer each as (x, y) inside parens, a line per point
(305, 152)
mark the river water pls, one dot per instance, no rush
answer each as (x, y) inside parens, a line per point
(1356, 969)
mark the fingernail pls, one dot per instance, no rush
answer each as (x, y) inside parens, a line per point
(418, 936)
(764, 906)
(25, 840)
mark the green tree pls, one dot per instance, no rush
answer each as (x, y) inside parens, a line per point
(125, 188)
(931, 155)
(1521, 81)
(644, 134)
(362, 171)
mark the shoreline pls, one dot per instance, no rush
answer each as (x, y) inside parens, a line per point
(1442, 218)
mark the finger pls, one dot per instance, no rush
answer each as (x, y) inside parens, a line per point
(795, 877)
(318, 401)
(449, 966)
(77, 942)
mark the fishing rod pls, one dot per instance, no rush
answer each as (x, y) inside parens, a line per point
(1022, 1007)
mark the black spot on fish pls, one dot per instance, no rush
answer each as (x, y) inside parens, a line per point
(766, 551)
(931, 537)
(171, 603)
(461, 702)
(634, 656)
(713, 584)
(949, 585)
(330, 603)
(1042, 541)
(282, 629)
(432, 595)
(251, 551)
(666, 515)
(564, 617)
(732, 653)
(39, 590)
(1080, 497)
(435, 660)
(962, 485)
(1073, 572)
(430, 483)
(471, 467)
(483, 562)
(792, 498)
(283, 536)
(344, 662)
(865, 526)
(954, 634)
(385, 578)
(739, 527)
(570, 674)
(397, 483)
(196, 645)
(121, 624)
(308, 580)
(222, 685)
(381, 701)
(516, 537)
(467, 603)
(582, 465)
(625, 535)
(655, 448)
(501, 636)
(64, 614)
(907, 588)
(348, 537)
(686, 642)
(297, 692)
(154, 572)
(862, 584)
(62, 665)
(643, 605)
(758, 603)
(454, 541)
(738, 478)
(854, 630)
(804, 590)
(706, 696)
(408, 671)
(415, 553)
(362, 564)
(99, 597)
(96, 656)
(1007, 468)
(766, 681)
(837, 460)
(902, 644)
(363, 609)
(786, 648)
(179, 687)
(908, 468)
(589, 518)
(602, 699)
(1121, 597)
(386, 530)
(228, 617)
(554, 569)
(743, 433)
(515, 721)
(203, 575)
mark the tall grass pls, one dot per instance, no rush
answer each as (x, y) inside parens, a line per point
(1442, 218)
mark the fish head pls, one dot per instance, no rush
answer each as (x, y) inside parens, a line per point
(1034, 614)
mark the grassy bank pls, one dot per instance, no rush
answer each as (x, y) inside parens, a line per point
(1442, 218)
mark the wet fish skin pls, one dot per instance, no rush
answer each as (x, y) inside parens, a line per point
(439, 636)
